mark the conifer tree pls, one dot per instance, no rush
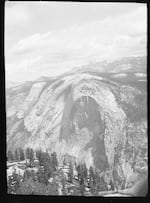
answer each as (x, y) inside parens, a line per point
(13, 183)
(82, 186)
(84, 172)
(92, 182)
(52, 189)
(42, 176)
(54, 161)
(17, 158)
(82, 176)
(97, 182)
(79, 171)
(30, 155)
(64, 162)
(38, 154)
(70, 174)
(46, 162)
(21, 154)
(10, 155)
(63, 183)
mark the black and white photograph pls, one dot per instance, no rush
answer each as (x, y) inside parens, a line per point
(76, 98)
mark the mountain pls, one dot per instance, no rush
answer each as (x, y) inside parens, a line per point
(126, 64)
(96, 117)
(10, 84)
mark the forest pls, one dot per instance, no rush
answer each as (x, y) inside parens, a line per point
(42, 175)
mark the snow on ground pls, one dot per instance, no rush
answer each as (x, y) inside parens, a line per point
(119, 75)
(10, 171)
(16, 170)
(140, 74)
(142, 80)
(16, 162)
(117, 195)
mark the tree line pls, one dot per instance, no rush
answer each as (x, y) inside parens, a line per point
(17, 155)
(47, 169)
(34, 182)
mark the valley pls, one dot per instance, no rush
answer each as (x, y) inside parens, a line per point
(89, 116)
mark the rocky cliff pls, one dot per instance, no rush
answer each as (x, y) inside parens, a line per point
(96, 117)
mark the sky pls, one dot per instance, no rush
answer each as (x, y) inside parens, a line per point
(50, 38)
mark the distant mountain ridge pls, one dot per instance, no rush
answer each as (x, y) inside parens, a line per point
(123, 65)
(10, 84)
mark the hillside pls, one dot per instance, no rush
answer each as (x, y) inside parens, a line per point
(98, 117)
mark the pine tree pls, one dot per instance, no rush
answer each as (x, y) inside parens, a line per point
(115, 178)
(43, 157)
(52, 189)
(84, 172)
(38, 154)
(42, 177)
(70, 174)
(103, 185)
(46, 162)
(79, 171)
(97, 182)
(54, 161)
(82, 176)
(48, 170)
(91, 173)
(10, 155)
(64, 162)
(21, 154)
(82, 186)
(17, 158)
(13, 184)
(30, 155)
(92, 181)
(63, 183)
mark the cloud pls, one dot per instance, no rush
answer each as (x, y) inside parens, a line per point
(57, 51)
(23, 69)
(15, 14)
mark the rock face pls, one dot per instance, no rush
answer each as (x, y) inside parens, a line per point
(87, 116)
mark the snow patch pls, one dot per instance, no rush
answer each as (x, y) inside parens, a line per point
(119, 75)
(142, 80)
(140, 74)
